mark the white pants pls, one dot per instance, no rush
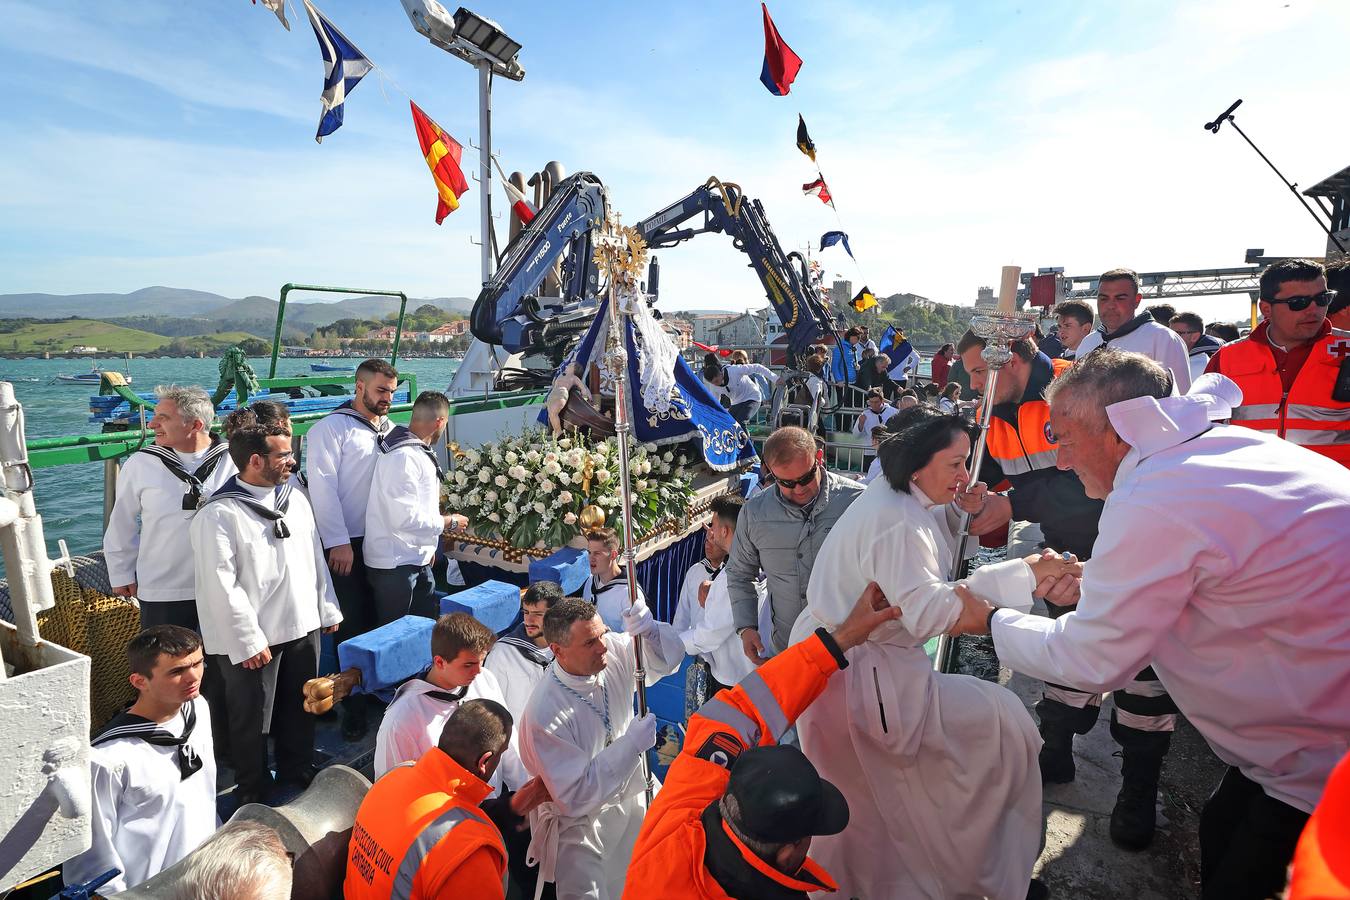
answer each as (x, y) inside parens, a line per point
(593, 853)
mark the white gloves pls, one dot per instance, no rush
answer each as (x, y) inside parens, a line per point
(637, 619)
(642, 733)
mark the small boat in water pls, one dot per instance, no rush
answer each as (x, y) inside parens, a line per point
(325, 367)
(94, 376)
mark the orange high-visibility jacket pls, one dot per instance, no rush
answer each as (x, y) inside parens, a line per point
(1321, 869)
(668, 857)
(420, 834)
(1307, 415)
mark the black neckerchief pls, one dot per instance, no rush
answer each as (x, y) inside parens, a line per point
(347, 409)
(444, 696)
(1133, 325)
(527, 648)
(708, 567)
(127, 725)
(193, 498)
(732, 873)
(233, 490)
(399, 436)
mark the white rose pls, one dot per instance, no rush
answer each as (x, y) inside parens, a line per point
(569, 518)
(550, 457)
(552, 468)
(510, 507)
(564, 478)
(511, 457)
(650, 448)
(484, 476)
(548, 486)
(493, 517)
(602, 476)
(453, 500)
(501, 481)
(532, 457)
(565, 443)
(641, 484)
(667, 456)
(540, 508)
(679, 471)
(460, 477)
(646, 467)
(565, 497)
(490, 496)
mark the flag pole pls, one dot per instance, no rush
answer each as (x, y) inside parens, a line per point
(621, 254)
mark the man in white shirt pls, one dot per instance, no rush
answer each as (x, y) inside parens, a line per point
(521, 656)
(263, 595)
(738, 381)
(712, 637)
(404, 523)
(1220, 560)
(154, 772)
(689, 603)
(421, 706)
(1124, 327)
(1199, 346)
(580, 736)
(340, 462)
(607, 588)
(159, 490)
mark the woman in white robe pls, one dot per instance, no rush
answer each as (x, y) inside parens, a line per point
(940, 771)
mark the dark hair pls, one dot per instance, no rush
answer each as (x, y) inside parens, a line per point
(431, 404)
(259, 412)
(1223, 331)
(247, 442)
(947, 346)
(874, 394)
(918, 434)
(952, 390)
(476, 727)
(931, 390)
(548, 592)
(726, 508)
(1288, 270)
(1076, 310)
(1338, 280)
(375, 367)
(1188, 318)
(907, 392)
(879, 431)
(855, 331)
(1120, 275)
(1026, 349)
(457, 632)
(173, 641)
(814, 365)
(1162, 313)
(559, 620)
(713, 371)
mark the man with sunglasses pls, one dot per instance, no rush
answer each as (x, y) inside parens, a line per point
(780, 531)
(1294, 368)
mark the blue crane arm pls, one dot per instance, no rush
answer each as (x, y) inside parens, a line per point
(724, 209)
(507, 311)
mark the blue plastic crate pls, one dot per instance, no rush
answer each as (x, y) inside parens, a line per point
(569, 567)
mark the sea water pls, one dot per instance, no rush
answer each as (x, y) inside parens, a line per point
(70, 498)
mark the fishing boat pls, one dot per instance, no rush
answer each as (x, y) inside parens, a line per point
(325, 367)
(93, 377)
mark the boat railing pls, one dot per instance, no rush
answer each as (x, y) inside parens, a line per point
(328, 289)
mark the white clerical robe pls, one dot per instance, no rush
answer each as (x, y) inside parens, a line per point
(584, 838)
(940, 771)
(413, 723)
(712, 635)
(145, 815)
(1221, 562)
(518, 664)
(254, 589)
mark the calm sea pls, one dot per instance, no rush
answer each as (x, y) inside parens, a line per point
(70, 498)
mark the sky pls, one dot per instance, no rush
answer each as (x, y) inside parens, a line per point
(170, 143)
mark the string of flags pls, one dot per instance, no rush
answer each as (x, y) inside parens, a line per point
(343, 68)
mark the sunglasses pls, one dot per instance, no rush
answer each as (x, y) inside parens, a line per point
(788, 484)
(1298, 304)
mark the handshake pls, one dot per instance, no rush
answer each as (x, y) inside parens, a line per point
(1058, 578)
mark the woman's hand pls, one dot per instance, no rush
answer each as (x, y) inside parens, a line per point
(1049, 565)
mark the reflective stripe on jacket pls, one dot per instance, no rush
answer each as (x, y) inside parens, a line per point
(420, 834)
(1025, 447)
(1307, 416)
(668, 856)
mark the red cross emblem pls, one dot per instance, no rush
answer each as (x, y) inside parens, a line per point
(1340, 349)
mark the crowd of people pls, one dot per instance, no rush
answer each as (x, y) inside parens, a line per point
(1186, 517)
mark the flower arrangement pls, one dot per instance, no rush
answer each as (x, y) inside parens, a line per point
(531, 489)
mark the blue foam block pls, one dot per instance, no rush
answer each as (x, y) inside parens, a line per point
(494, 603)
(568, 567)
(390, 654)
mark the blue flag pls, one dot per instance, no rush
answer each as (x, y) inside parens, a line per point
(843, 366)
(343, 68)
(904, 359)
(830, 238)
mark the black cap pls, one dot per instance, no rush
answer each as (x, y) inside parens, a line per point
(782, 797)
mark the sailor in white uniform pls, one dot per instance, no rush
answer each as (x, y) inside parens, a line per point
(580, 736)
(340, 455)
(404, 523)
(154, 771)
(607, 588)
(263, 594)
(421, 706)
(159, 490)
(711, 634)
(520, 657)
(1124, 327)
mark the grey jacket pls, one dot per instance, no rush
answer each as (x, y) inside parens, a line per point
(782, 540)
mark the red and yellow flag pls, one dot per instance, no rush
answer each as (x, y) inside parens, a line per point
(442, 153)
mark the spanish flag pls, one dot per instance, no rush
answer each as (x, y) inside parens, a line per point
(442, 153)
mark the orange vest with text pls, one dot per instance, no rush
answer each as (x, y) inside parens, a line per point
(1027, 447)
(420, 834)
(1307, 416)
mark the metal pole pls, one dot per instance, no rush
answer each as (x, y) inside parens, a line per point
(622, 428)
(111, 468)
(485, 164)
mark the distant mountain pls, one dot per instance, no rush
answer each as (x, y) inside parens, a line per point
(253, 314)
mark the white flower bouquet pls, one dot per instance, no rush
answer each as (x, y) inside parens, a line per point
(529, 490)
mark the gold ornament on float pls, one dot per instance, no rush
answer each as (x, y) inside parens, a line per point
(591, 517)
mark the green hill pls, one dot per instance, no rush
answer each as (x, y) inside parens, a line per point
(28, 336)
